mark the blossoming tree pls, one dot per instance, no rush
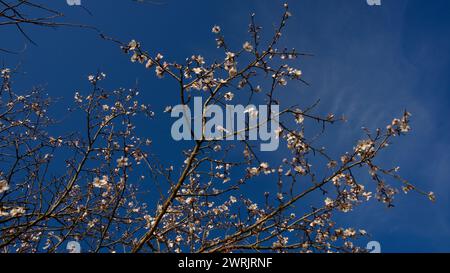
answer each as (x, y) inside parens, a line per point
(98, 196)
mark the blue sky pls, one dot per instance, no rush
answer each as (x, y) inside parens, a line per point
(370, 63)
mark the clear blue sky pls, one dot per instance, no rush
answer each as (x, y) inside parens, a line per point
(370, 63)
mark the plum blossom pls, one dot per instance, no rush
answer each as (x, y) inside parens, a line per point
(4, 186)
(122, 162)
(17, 211)
(215, 29)
(100, 182)
(247, 47)
(229, 96)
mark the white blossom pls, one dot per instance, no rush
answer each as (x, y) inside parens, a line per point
(233, 199)
(247, 47)
(215, 29)
(4, 186)
(133, 45)
(229, 96)
(122, 162)
(100, 182)
(17, 211)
